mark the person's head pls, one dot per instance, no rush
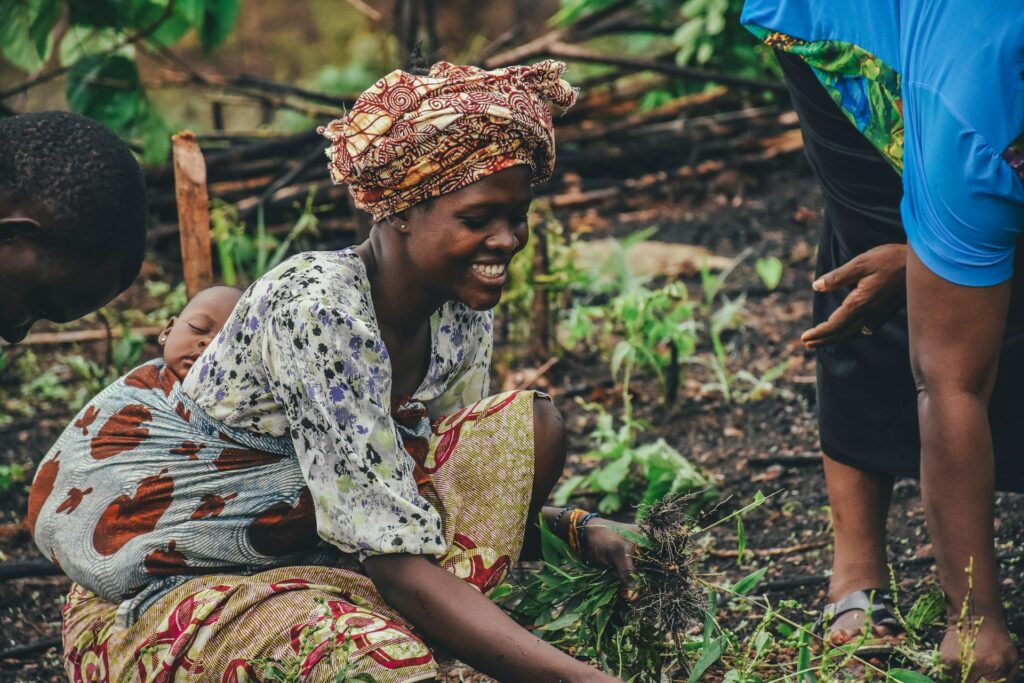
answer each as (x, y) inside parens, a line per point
(444, 164)
(72, 219)
(188, 334)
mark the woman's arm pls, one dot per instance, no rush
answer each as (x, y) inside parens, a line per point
(466, 624)
(955, 337)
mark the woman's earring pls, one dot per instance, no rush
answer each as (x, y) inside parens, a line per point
(162, 340)
(404, 228)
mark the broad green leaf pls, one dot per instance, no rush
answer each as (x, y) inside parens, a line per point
(218, 19)
(770, 270)
(611, 476)
(567, 488)
(633, 537)
(609, 504)
(46, 14)
(708, 656)
(20, 27)
(553, 549)
(562, 622)
(750, 581)
(80, 41)
(105, 88)
(907, 676)
(500, 591)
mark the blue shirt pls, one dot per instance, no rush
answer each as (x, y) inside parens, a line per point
(961, 64)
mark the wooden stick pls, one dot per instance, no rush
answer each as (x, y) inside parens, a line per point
(76, 336)
(26, 651)
(193, 212)
(582, 54)
(28, 568)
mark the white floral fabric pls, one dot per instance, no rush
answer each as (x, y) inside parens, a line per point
(303, 355)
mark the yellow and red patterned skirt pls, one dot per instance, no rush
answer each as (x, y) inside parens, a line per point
(315, 623)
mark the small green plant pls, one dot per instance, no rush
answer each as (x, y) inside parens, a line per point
(632, 474)
(243, 257)
(770, 271)
(584, 610)
(720, 314)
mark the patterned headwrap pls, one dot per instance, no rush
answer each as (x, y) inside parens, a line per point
(409, 138)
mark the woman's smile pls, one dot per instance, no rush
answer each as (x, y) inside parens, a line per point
(491, 274)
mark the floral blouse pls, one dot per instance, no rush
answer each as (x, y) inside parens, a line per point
(302, 355)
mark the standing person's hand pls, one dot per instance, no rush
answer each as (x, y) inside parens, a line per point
(995, 655)
(878, 279)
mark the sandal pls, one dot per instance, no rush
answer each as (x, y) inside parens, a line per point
(878, 606)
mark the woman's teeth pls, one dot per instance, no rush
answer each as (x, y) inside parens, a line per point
(489, 269)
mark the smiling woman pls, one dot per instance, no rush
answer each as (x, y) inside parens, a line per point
(358, 381)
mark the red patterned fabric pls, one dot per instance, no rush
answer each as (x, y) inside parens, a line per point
(409, 138)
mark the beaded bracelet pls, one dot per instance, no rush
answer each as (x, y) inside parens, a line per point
(574, 530)
(558, 517)
(582, 526)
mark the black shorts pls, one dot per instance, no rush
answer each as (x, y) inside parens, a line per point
(867, 400)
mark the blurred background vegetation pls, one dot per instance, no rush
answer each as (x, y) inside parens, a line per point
(147, 68)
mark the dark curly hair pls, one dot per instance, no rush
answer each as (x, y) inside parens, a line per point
(84, 176)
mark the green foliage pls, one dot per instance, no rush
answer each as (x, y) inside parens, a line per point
(12, 474)
(705, 33)
(243, 257)
(99, 49)
(631, 474)
(579, 608)
(720, 314)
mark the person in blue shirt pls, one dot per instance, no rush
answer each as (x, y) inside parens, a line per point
(912, 113)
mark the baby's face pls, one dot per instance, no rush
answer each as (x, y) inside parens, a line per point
(187, 335)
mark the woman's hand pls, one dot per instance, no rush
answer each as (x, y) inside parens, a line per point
(878, 279)
(995, 655)
(603, 546)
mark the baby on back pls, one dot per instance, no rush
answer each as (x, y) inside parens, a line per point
(187, 335)
(124, 503)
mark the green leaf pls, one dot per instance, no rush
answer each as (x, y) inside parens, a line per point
(741, 540)
(708, 656)
(553, 549)
(622, 351)
(105, 88)
(770, 270)
(41, 31)
(749, 582)
(566, 489)
(218, 19)
(609, 504)
(500, 591)
(25, 27)
(80, 41)
(561, 623)
(611, 476)
(633, 537)
(906, 676)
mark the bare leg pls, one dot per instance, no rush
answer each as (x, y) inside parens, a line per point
(860, 504)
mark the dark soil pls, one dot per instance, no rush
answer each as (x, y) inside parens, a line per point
(773, 210)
